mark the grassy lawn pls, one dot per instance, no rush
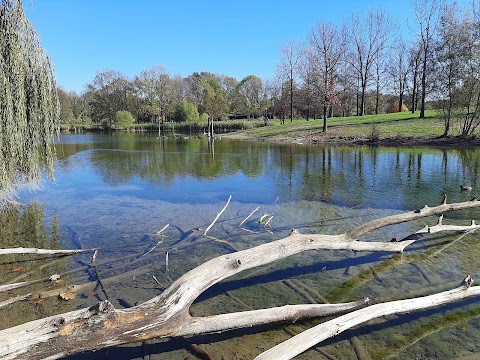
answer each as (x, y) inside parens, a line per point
(396, 125)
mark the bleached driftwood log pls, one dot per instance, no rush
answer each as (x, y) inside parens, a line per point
(168, 315)
(311, 337)
(22, 250)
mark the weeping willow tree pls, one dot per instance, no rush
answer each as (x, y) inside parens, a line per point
(29, 108)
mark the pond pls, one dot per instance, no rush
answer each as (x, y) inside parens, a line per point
(117, 191)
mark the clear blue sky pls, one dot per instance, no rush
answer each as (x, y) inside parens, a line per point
(234, 38)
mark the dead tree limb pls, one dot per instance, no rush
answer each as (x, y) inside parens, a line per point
(167, 315)
(440, 227)
(14, 300)
(218, 215)
(311, 337)
(409, 216)
(249, 216)
(22, 250)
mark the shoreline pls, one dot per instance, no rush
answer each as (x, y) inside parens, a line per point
(332, 139)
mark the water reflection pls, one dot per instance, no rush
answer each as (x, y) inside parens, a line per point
(346, 176)
(23, 226)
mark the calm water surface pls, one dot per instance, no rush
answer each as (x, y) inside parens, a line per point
(117, 191)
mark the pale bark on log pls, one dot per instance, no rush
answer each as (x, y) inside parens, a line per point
(409, 216)
(22, 250)
(168, 315)
(14, 300)
(440, 227)
(311, 337)
(9, 287)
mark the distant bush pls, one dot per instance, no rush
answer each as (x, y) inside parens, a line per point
(394, 107)
(187, 112)
(123, 120)
(203, 119)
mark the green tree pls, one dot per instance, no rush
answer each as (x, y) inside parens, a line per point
(123, 120)
(205, 90)
(187, 112)
(66, 107)
(229, 86)
(203, 119)
(29, 109)
(107, 94)
(251, 92)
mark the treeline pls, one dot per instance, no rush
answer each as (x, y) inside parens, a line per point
(154, 97)
(360, 67)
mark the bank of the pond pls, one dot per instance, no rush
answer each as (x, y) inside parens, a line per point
(400, 129)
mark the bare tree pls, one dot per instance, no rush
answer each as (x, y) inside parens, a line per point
(327, 45)
(307, 75)
(427, 13)
(367, 38)
(470, 94)
(415, 56)
(291, 53)
(398, 69)
(251, 90)
(379, 78)
(156, 88)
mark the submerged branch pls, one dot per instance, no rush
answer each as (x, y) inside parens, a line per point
(22, 250)
(218, 215)
(309, 338)
(409, 216)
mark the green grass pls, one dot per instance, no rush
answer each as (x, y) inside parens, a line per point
(396, 125)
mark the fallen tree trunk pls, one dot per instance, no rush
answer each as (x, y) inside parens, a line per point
(22, 250)
(168, 315)
(311, 337)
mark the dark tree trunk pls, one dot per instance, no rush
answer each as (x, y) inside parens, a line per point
(424, 84)
(291, 95)
(324, 118)
(362, 100)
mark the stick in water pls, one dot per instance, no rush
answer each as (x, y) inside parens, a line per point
(218, 215)
(248, 217)
(162, 230)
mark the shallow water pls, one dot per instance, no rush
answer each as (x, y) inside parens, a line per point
(116, 192)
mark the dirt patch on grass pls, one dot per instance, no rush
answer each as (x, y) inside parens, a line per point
(336, 138)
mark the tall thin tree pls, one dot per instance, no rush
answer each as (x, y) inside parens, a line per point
(398, 69)
(367, 38)
(327, 44)
(291, 54)
(427, 13)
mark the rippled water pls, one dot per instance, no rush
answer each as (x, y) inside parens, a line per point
(116, 192)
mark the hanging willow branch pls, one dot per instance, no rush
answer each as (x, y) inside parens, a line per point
(29, 108)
